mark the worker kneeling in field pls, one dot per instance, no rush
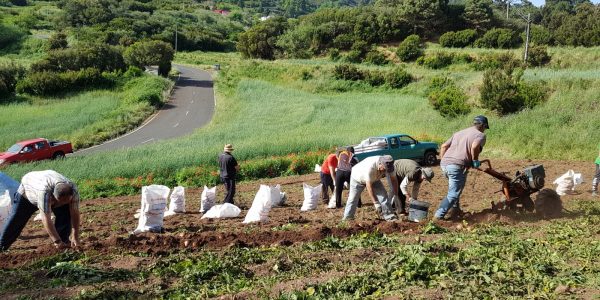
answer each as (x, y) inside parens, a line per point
(409, 171)
(49, 192)
(368, 173)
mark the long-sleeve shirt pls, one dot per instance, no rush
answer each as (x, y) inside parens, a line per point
(415, 188)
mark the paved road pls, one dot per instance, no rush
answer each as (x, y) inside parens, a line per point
(191, 106)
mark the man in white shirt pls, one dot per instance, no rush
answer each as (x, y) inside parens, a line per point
(368, 174)
(50, 192)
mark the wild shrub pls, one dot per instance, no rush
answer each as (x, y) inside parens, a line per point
(58, 40)
(334, 54)
(10, 74)
(97, 56)
(376, 58)
(353, 56)
(506, 93)
(347, 72)
(358, 52)
(375, 78)
(539, 35)
(489, 61)
(48, 83)
(10, 34)
(538, 56)
(459, 39)
(398, 78)
(410, 49)
(449, 101)
(501, 38)
(436, 61)
(260, 41)
(148, 53)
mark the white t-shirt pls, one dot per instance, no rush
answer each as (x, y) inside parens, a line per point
(367, 170)
(38, 187)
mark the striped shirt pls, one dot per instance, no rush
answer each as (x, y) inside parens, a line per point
(38, 187)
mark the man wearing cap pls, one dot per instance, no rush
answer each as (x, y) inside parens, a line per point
(408, 171)
(50, 192)
(368, 173)
(458, 154)
(228, 168)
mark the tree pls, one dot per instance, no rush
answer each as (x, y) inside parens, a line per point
(410, 49)
(149, 53)
(422, 14)
(260, 41)
(58, 40)
(581, 29)
(478, 14)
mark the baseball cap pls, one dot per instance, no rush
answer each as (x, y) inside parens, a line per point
(481, 120)
(388, 162)
(427, 173)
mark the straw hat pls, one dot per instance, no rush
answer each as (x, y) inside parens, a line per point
(228, 148)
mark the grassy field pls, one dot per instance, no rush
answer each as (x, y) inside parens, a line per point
(290, 106)
(84, 119)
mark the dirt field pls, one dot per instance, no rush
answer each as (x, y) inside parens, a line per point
(106, 223)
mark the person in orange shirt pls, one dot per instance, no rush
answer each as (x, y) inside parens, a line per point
(328, 176)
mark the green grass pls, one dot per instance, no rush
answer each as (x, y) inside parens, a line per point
(273, 108)
(83, 119)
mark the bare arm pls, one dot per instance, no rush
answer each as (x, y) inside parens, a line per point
(394, 181)
(75, 223)
(371, 192)
(51, 229)
(443, 149)
(332, 172)
(475, 150)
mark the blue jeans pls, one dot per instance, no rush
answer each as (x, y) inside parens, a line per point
(457, 177)
(356, 189)
(21, 212)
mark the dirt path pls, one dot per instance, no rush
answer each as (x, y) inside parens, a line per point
(106, 222)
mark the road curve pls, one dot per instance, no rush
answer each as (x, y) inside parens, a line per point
(191, 106)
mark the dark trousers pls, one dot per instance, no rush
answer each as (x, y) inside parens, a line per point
(327, 182)
(229, 188)
(21, 212)
(401, 195)
(340, 178)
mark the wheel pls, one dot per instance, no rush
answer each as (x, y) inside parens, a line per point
(527, 203)
(58, 155)
(430, 158)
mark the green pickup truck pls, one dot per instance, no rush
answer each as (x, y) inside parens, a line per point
(398, 146)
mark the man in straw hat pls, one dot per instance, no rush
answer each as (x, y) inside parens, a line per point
(50, 192)
(228, 168)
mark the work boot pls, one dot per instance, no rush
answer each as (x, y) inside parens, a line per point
(454, 213)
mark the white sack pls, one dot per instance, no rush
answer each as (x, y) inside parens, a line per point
(567, 182)
(332, 200)
(154, 202)
(8, 187)
(259, 211)
(177, 203)
(207, 199)
(282, 199)
(277, 197)
(5, 207)
(225, 210)
(317, 169)
(311, 197)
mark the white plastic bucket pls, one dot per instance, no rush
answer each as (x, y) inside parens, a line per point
(418, 210)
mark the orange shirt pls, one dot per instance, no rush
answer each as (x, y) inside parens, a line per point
(332, 161)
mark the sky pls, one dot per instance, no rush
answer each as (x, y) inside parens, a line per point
(541, 2)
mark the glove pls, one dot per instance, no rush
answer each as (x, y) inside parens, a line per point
(476, 164)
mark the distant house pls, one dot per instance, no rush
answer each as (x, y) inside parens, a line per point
(223, 12)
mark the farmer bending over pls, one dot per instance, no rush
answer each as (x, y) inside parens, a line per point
(409, 171)
(458, 154)
(368, 173)
(49, 192)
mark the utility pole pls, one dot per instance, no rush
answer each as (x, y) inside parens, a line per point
(527, 37)
(507, 6)
(175, 38)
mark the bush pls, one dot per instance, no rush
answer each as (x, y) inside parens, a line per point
(500, 38)
(48, 83)
(410, 49)
(436, 61)
(538, 56)
(375, 78)
(539, 35)
(133, 71)
(459, 39)
(10, 34)
(334, 54)
(260, 41)
(10, 74)
(149, 53)
(507, 93)
(58, 40)
(398, 78)
(354, 56)
(96, 56)
(504, 60)
(376, 58)
(450, 101)
(347, 72)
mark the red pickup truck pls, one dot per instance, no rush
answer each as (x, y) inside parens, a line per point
(35, 149)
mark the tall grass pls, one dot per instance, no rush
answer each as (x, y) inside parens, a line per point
(272, 108)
